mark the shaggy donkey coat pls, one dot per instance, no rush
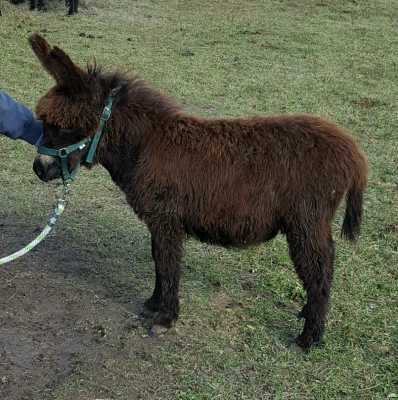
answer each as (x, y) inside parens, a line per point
(231, 182)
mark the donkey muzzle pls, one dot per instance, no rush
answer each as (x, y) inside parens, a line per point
(47, 168)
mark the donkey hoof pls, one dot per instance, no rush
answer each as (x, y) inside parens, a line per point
(146, 313)
(157, 330)
(307, 341)
(304, 341)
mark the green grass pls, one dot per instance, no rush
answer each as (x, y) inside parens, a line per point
(334, 58)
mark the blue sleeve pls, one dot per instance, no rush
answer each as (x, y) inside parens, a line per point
(18, 122)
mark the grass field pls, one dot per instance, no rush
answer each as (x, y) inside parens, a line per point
(333, 58)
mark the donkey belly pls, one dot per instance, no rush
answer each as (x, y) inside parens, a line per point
(232, 232)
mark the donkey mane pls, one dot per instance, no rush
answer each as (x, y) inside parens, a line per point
(135, 92)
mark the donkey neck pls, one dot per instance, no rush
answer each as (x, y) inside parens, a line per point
(120, 148)
(139, 114)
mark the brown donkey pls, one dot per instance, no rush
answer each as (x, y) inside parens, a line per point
(230, 182)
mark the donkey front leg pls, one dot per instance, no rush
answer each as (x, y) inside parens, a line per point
(166, 253)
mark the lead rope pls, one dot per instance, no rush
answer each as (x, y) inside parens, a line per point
(57, 211)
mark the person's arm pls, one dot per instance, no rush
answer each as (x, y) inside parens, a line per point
(18, 122)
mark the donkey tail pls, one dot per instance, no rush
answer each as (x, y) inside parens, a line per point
(354, 201)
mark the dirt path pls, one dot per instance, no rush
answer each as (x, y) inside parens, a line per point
(55, 314)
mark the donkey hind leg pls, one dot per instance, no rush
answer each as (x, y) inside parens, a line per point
(73, 7)
(166, 253)
(313, 256)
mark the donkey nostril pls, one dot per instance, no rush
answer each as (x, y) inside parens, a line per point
(38, 169)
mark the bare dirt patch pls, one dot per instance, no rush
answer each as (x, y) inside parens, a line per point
(55, 314)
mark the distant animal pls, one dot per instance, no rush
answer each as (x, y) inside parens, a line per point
(41, 5)
(73, 6)
(234, 182)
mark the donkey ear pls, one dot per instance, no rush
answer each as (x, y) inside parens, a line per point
(58, 64)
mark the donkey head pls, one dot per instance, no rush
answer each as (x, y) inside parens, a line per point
(69, 111)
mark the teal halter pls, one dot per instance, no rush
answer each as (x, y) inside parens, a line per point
(91, 142)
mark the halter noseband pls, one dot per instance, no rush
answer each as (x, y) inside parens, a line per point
(91, 142)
